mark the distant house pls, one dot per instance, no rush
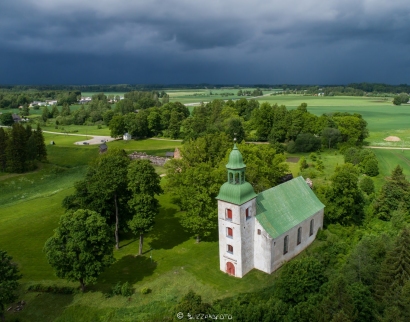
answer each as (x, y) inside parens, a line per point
(103, 148)
(169, 154)
(51, 102)
(38, 103)
(126, 137)
(16, 118)
(85, 100)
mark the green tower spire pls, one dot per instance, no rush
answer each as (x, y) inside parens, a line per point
(236, 190)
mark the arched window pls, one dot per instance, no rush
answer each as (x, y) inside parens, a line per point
(230, 177)
(243, 177)
(236, 178)
(229, 232)
(311, 227)
(247, 214)
(230, 249)
(299, 235)
(285, 245)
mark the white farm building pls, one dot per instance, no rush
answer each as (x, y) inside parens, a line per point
(263, 230)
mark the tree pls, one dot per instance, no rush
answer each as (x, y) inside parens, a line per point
(16, 149)
(344, 200)
(144, 183)
(191, 305)
(395, 193)
(81, 247)
(330, 137)
(395, 271)
(116, 126)
(306, 142)
(299, 279)
(9, 276)
(6, 119)
(104, 189)
(45, 114)
(235, 129)
(3, 148)
(397, 100)
(367, 185)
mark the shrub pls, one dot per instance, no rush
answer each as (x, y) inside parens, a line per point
(313, 156)
(145, 290)
(52, 289)
(121, 289)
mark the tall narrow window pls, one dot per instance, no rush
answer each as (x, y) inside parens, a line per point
(299, 235)
(230, 178)
(229, 214)
(229, 232)
(311, 227)
(285, 245)
(247, 214)
(230, 249)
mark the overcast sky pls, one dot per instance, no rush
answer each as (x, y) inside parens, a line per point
(214, 41)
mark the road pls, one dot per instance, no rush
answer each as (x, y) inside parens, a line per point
(95, 139)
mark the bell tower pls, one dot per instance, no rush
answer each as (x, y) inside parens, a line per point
(236, 218)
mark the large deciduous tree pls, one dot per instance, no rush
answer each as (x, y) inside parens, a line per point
(343, 199)
(81, 247)
(104, 189)
(144, 183)
(9, 276)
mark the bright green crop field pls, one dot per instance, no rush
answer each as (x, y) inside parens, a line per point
(384, 119)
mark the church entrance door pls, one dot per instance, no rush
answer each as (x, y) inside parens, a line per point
(230, 269)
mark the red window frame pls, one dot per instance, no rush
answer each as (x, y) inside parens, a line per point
(247, 216)
(229, 214)
(229, 232)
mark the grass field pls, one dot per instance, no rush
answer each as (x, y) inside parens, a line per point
(204, 95)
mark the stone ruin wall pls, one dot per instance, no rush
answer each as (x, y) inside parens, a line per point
(154, 159)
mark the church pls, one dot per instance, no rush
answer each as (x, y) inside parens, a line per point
(264, 230)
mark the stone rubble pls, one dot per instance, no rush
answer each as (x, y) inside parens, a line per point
(154, 159)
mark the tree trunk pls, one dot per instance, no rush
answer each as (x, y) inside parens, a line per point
(82, 285)
(117, 239)
(197, 239)
(141, 243)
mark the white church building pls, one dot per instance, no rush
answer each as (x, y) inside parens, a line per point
(264, 230)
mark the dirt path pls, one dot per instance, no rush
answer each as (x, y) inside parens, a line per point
(386, 148)
(95, 139)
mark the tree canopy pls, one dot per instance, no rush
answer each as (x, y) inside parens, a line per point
(81, 247)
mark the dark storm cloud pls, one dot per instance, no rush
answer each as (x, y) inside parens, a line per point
(172, 41)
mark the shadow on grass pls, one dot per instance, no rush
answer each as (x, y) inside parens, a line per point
(41, 307)
(168, 231)
(129, 269)
(213, 237)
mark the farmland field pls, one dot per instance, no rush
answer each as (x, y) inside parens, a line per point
(384, 119)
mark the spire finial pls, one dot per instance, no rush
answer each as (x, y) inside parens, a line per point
(234, 141)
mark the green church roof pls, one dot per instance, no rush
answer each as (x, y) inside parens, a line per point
(281, 208)
(237, 194)
(235, 159)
